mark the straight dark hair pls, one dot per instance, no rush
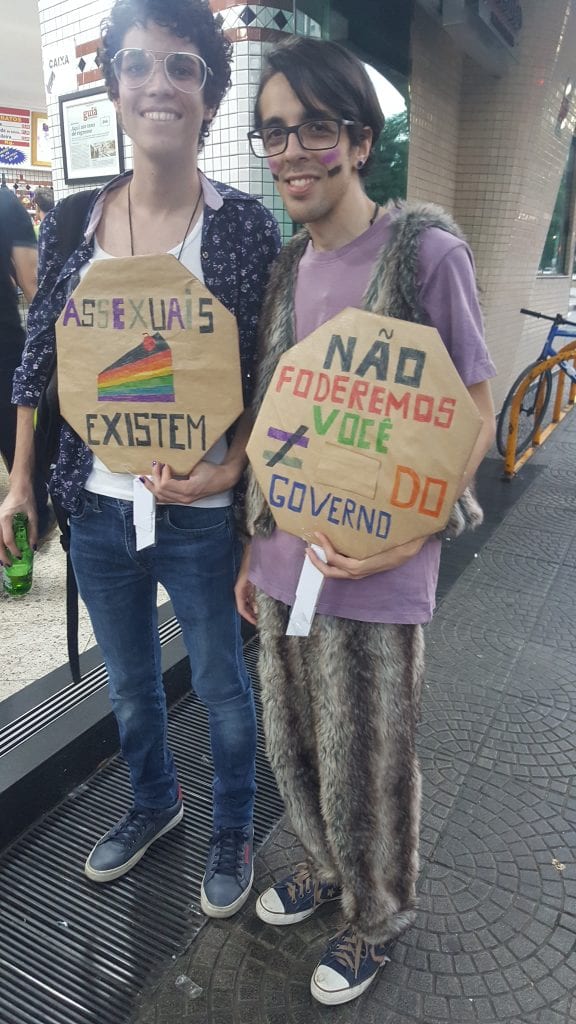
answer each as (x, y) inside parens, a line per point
(190, 19)
(328, 77)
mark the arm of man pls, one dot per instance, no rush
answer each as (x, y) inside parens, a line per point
(245, 591)
(29, 379)
(20, 497)
(481, 395)
(18, 229)
(25, 262)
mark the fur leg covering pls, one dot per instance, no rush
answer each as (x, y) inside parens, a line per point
(340, 712)
(466, 514)
(289, 724)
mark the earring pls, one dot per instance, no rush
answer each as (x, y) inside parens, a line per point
(360, 164)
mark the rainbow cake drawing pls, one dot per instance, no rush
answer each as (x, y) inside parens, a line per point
(144, 374)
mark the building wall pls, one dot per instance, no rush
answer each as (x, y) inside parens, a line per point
(486, 148)
(509, 162)
(434, 126)
(253, 30)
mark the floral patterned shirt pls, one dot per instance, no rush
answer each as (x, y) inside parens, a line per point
(240, 240)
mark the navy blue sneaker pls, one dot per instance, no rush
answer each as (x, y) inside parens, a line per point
(295, 898)
(347, 968)
(229, 872)
(127, 841)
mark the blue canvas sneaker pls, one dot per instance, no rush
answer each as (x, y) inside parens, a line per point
(127, 841)
(229, 872)
(347, 968)
(295, 898)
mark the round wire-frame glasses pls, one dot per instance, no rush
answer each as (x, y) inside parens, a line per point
(186, 71)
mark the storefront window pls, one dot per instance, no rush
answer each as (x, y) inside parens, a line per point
(555, 256)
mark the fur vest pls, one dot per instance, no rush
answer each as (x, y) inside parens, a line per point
(392, 291)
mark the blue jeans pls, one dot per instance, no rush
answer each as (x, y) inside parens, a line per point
(196, 559)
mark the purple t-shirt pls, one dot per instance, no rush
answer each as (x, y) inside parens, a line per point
(327, 283)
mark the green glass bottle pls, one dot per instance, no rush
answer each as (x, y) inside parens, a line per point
(17, 577)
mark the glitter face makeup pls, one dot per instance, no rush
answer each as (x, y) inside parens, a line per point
(330, 156)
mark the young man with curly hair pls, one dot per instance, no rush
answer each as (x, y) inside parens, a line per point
(167, 68)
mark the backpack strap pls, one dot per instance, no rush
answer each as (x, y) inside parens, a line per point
(71, 594)
(71, 214)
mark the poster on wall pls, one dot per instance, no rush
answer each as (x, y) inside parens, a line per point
(41, 152)
(91, 138)
(14, 137)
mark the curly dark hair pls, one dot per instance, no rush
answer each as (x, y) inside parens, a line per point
(191, 20)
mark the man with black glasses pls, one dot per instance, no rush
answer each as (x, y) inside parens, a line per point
(341, 705)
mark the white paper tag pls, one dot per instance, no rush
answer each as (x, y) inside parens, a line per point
(307, 593)
(144, 515)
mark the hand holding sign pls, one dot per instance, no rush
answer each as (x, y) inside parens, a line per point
(364, 434)
(342, 567)
(205, 479)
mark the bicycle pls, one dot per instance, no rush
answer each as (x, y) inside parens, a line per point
(535, 402)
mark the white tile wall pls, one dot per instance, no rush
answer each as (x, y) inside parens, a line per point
(227, 153)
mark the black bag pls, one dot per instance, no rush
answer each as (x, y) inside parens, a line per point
(71, 216)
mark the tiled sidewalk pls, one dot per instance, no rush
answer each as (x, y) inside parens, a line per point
(33, 629)
(495, 938)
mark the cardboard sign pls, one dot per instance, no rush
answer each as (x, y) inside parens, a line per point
(364, 434)
(148, 364)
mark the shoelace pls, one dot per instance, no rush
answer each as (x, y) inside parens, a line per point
(302, 884)
(132, 825)
(349, 949)
(228, 847)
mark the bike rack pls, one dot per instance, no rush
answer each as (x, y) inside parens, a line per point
(511, 463)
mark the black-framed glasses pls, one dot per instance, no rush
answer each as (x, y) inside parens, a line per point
(314, 134)
(134, 67)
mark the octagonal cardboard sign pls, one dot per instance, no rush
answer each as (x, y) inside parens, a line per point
(364, 434)
(148, 364)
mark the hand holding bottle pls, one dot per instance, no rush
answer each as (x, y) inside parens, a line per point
(17, 576)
